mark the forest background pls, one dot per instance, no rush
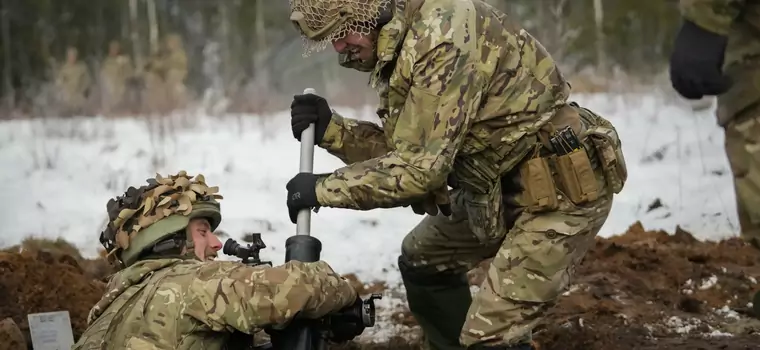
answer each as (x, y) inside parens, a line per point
(244, 56)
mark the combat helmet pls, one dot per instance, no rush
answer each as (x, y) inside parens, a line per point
(154, 216)
(321, 22)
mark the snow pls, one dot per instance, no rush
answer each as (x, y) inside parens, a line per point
(58, 174)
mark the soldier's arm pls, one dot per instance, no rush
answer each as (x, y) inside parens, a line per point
(230, 295)
(445, 94)
(353, 140)
(713, 15)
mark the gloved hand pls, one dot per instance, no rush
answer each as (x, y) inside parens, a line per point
(308, 109)
(302, 194)
(347, 323)
(434, 202)
(696, 62)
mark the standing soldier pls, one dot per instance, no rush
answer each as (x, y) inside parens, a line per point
(72, 83)
(115, 72)
(471, 100)
(167, 72)
(171, 293)
(717, 52)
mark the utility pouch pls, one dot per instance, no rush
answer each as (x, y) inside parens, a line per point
(577, 176)
(540, 192)
(610, 154)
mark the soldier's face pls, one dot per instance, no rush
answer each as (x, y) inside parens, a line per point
(359, 46)
(206, 242)
(71, 55)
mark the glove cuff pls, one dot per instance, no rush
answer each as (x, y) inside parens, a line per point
(697, 36)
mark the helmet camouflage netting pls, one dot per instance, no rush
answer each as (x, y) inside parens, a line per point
(323, 21)
(139, 208)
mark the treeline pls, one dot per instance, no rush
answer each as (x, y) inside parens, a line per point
(244, 55)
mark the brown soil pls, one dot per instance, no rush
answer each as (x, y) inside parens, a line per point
(44, 280)
(640, 290)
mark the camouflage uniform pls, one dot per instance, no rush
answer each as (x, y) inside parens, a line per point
(115, 72)
(469, 99)
(739, 107)
(175, 301)
(165, 79)
(72, 82)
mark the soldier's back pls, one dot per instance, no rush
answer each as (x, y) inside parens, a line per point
(156, 304)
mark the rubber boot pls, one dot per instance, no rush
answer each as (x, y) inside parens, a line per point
(439, 303)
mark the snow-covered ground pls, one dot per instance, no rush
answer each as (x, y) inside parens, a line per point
(57, 175)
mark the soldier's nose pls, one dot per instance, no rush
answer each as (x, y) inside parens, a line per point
(215, 243)
(339, 46)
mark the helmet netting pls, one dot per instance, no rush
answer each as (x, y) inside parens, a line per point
(320, 13)
(141, 207)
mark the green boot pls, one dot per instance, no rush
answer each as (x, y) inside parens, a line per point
(439, 303)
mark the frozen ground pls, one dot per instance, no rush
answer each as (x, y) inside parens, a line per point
(57, 175)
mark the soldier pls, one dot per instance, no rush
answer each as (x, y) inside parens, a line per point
(171, 294)
(167, 72)
(471, 100)
(72, 83)
(716, 52)
(115, 73)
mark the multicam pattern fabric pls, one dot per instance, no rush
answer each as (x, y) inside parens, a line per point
(187, 304)
(459, 103)
(739, 107)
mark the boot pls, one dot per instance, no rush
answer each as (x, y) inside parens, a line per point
(438, 302)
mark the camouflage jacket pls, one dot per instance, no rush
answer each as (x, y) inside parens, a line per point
(740, 21)
(185, 304)
(466, 93)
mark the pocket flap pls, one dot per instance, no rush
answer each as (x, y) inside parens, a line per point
(560, 223)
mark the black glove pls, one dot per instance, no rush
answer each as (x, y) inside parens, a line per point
(696, 62)
(308, 109)
(347, 323)
(302, 194)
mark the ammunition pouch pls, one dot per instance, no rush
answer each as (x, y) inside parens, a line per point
(547, 176)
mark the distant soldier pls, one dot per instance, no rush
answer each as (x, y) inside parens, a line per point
(172, 294)
(115, 72)
(717, 53)
(72, 83)
(167, 72)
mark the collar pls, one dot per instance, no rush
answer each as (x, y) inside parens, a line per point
(392, 34)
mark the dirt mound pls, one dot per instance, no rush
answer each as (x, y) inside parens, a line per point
(652, 290)
(44, 280)
(647, 289)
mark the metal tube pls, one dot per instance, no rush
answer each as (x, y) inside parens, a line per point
(303, 221)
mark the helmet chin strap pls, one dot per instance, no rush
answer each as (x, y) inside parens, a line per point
(178, 242)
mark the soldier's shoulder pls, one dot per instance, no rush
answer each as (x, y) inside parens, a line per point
(445, 21)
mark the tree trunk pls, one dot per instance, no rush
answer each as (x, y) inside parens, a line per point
(601, 56)
(10, 93)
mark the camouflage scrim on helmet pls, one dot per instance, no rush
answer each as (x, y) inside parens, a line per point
(321, 22)
(138, 208)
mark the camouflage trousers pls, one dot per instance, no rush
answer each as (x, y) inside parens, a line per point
(532, 264)
(742, 142)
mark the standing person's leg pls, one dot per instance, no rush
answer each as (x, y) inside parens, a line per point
(742, 142)
(533, 266)
(434, 261)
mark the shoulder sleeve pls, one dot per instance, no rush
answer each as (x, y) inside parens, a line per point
(713, 15)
